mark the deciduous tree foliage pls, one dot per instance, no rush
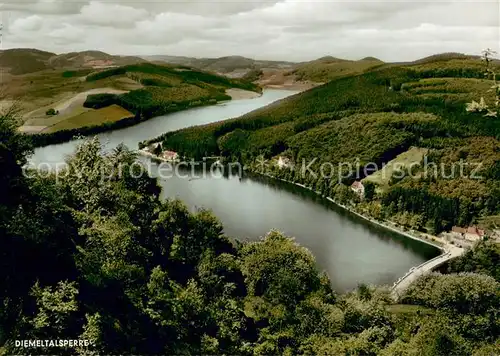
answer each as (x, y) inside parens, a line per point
(95, 254)
(372, 118)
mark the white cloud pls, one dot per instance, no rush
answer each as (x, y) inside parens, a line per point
(168, 28)
(207, 8)
(26, 24)
(289, 29)
(67, 34)
(111, 15)
(44, 6)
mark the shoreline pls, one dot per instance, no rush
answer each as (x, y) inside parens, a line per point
(41, 139)
(242, 94)
(292, 87)
(288, 84)
(443, 249)
(384, 224)
(154, 157)
(388, 227)
(446, 251)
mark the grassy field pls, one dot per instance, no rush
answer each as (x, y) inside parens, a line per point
(410, 310)
(383, 176)
(47, 120)
(111, 113)
(490, 222)
(37, 92)
(145, 89)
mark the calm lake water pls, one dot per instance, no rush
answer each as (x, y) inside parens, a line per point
(146, 130)
(350, 249)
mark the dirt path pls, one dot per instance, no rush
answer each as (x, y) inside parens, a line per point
(283, 79)
(73, 100)
(79, 99)
(71, 105)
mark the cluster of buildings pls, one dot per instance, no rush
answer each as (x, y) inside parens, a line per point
(471, 233)
(169, 155)
(156, 150)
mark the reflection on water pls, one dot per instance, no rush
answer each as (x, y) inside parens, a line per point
(131, 136)
(350, 249)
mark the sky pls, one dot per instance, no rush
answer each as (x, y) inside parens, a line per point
(293, 30)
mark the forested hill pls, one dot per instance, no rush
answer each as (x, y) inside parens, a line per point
(328, 68)
(99, 257)
(18, 61)
(145, 90)
(318, 71)
(374, 117)
(229, 65)
(165, 88)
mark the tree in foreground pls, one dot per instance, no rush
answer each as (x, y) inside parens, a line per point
(94, 254)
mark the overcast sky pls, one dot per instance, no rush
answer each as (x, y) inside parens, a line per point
(293, 30)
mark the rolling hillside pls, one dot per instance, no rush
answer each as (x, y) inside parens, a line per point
(328, 68)
(370, 119)
(232, 66)
(321, 70)
(275, 73)
(24, 60)
(91, 59)
(142, 90)
(21, 61)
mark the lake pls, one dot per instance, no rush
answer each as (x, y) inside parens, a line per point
(350, 249)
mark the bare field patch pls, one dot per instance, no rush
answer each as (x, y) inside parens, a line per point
(32, 129)
(238, 94)
(40, 91)
(111, 113)
(283, 79)
(77, 100)
(69, 106)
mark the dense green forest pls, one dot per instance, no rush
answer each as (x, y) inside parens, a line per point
(484, 258)
(166, 89)
(370, 119)
(108, 261)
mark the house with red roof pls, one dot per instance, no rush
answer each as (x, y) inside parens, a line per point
(170, 155)
(474, 233)
(358, 188)
(458, 231)
(471, 233)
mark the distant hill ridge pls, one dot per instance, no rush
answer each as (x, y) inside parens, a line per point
(447, 56)
(19, 61)
(26, 60)
(371, 59)
(233, 66)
